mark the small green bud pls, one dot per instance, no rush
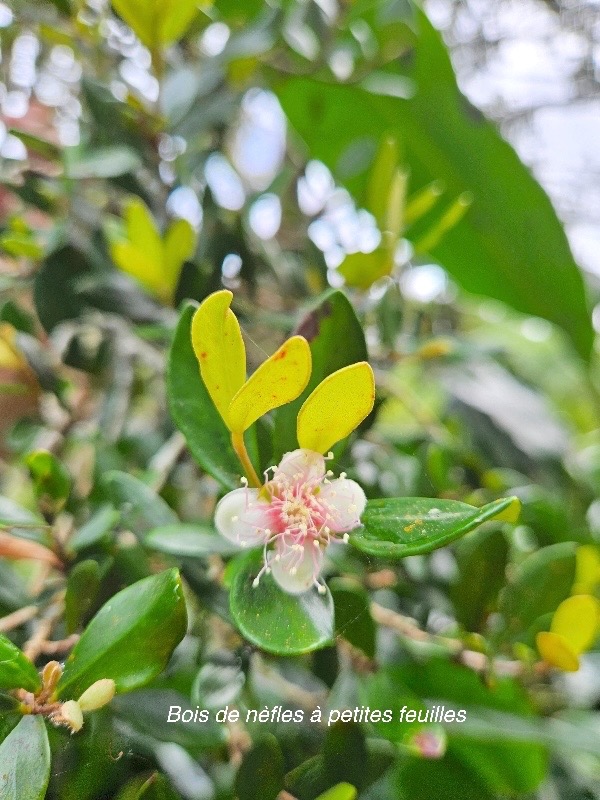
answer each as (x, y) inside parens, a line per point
(97, 695)
(70, 715)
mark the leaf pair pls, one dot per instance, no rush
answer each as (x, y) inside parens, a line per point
(153, 260)
(573, 630)
(159, 23)
(336, 406)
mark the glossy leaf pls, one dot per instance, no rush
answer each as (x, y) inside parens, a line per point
(194, 412)
(141, 507)
(406, 526)
(188, 540)
(275, 621)
(542, 581)
(131, 638)
(278, 380)
(25, 761)
(16, 671)
(331, 321)
(510, 244)
(353, 620)
(336, 407)
(83, 585)
(219, 348)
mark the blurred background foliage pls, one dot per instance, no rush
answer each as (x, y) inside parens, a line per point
(155, 152)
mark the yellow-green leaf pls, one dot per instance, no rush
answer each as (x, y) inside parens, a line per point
(336, 407)
(557, 651)
(587, 569)
(155, 263)
(363, 269)
(179, 244)
(142, 230)
(219, 348)
(157, 22)
(577, 620)
(278, 380)
(134, 262)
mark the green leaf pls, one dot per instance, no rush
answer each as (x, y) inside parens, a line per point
(261, 772)
(131, 638)
(353, 619)
(189, 541)
(194, 412)
(540, 584)
(482, 556)
(275, 621)
(407, 526)
(151, 786)
(104, 162)
(16, 671)
(156, 23)
(345, 753)
(343, 791)
(141, 507)
(82, 588)
(510, 244)
(332, 321)
(427, 779)
(51, 480)
(95, 529)
(25, 761)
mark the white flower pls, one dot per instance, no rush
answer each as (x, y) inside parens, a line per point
(294, 516)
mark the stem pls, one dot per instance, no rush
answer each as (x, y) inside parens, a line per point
(237, 440)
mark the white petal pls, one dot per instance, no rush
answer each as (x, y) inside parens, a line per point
(345, 501)
(296, 571)
(242, 518)
(301, 466)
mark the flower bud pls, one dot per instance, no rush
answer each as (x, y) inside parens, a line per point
(97, 695)
(70, 715)
(50, 675)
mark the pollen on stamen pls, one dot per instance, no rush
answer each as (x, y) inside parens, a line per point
(255, 582)
(321, 588)
(244, 480)
(346, 538)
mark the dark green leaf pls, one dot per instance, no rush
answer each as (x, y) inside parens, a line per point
(194, 412)
(261, 772)
(426, 779)
(188, 540)
(510, 244)
(56, 286)
(345, 753)
(275, 621)
(406, 526)
(482, 562)
(82, 588)
(25, 761)
(539, 585)
(16, 671)
(329, 323)
(353, 619)
(131, 638)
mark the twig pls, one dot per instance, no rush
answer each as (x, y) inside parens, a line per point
(18, 618)
(37, 643)
(60, 645)
(479, 662)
